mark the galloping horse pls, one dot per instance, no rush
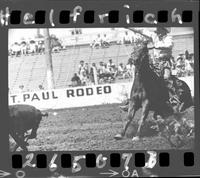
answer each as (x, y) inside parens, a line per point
(148, 92)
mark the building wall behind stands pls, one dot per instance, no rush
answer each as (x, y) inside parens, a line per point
(183, 39)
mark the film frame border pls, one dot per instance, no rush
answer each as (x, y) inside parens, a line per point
(122, 23)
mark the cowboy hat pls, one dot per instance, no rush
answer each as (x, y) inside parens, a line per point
(161, 30)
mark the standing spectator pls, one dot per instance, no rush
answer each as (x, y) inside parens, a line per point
(81, 67)
(130, 68)
(75, 80)
(87, 69)
(188, 67)
(93, 74)
(186, 54)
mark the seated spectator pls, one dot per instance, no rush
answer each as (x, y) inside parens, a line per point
(88, 82)
(106, 69)
(21, 89)
(101, 68)
(105, 75)
(110, 65)
(121, 70)
(32, 47)
(75, 80)
(23, 48)
(41, 87)
(16, 49)
(188, 67)
(180, 65)
(173, 62)
(97, 42)
(105, 42)
(127, 38)
(111, 68)
(84, 79)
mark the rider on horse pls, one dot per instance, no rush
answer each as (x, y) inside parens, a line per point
(160, 50)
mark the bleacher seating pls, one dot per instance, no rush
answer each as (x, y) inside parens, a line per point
(30, 71)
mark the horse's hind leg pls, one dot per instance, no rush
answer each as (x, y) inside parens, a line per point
(131, 113)
(145, 112)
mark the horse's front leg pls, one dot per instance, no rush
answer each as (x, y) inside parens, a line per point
(145, 112)
(131, 113)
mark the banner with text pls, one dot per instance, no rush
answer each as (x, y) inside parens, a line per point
(73, 97)
(79, 96)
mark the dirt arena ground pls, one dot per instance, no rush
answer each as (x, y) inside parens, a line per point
(93, 128)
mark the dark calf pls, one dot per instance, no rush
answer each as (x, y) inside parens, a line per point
(22, 119)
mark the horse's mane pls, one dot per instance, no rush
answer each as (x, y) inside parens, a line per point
(150, 79)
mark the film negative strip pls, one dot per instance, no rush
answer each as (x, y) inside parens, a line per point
(99, 88)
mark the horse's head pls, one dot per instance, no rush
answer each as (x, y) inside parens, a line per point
(140, 56)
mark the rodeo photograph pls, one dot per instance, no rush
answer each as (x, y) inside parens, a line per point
(73, 89)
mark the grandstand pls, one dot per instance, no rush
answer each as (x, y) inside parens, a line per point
(30, 71)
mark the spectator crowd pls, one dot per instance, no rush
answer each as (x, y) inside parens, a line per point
(102, 73)
(108, 71)
(90, 74)
(34, 46)
(103, 40)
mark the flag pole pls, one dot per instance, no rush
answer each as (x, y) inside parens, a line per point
(48, 58)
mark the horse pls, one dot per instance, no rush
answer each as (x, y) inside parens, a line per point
(148, 92)
(23, 118)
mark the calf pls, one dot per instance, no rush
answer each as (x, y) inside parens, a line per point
(23, 118)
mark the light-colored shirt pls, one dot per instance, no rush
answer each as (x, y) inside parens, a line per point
(166, 42)
(105, 38)
(127, 37)
(120, 68)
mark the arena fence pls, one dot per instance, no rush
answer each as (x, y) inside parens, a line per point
(76, 97)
